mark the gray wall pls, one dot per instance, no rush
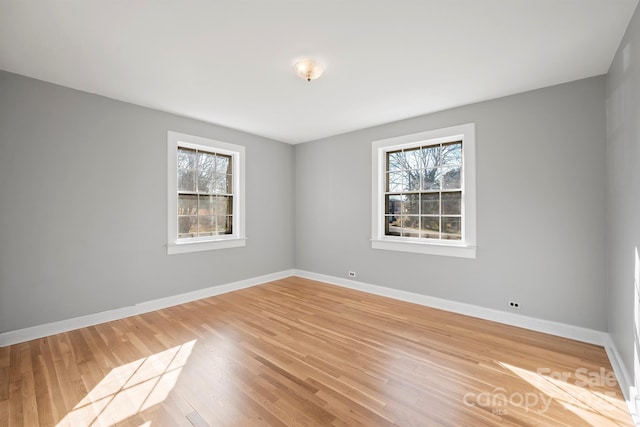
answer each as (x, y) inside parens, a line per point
(623, 189)
(83, 215)
(541, 211)
(83, 218)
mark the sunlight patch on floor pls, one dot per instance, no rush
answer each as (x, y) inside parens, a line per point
(580, 391)
(131, 388)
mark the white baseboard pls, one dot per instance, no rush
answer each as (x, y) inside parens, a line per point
(40, 331)
(624, 379)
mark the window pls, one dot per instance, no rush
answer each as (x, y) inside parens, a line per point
(206, 189)
(424, 192)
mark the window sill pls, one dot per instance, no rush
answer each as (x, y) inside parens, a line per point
(450, 249)
(206, 245)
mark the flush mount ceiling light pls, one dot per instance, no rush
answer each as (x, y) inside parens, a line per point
(308, 69)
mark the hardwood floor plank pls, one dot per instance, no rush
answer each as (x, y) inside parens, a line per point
(28, 387)
(296, 352)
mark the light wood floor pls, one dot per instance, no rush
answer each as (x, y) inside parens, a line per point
(297, 352)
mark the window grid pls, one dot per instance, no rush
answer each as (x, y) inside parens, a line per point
(205, 193)
(423, 192)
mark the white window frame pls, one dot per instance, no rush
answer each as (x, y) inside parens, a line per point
(196, 244)
(465, 248)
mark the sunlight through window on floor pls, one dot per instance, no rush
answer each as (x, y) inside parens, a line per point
(130, 389)
(588, 394)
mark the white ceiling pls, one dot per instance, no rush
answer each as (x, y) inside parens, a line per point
(230, 62)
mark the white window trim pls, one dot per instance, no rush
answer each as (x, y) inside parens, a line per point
(237, 153)
(463, 249)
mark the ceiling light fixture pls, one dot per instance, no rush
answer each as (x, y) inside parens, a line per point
(308, 69)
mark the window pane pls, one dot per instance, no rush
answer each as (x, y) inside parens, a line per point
(205, 205)
(187, 226)
(223, 205)
(186, 180)
(394, 182)
(431, 179)
(411, 226)
(222, 184)
(223, 225)
(392, 225)
(430, 226)
(393, 204)
(206, 225)
(452, 154)
(452, 203)
(431, 157)
(430, 203)
(451, 178)
(206, 162)
(413, 158)
(451, 228)
(215, 205)
(187, 204)
(206, 182)
(223, 164)
(186, 158)
(411, 205)
(411, 180)
(395, 161)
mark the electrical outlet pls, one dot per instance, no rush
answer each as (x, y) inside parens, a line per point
(514, 305)
(352, 274)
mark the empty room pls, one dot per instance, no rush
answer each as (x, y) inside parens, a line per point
(319, 213)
